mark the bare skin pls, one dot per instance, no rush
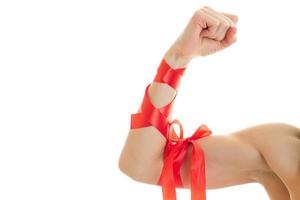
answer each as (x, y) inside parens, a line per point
(268, 154)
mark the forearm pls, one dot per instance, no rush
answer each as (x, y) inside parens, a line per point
(160, 93)
(142, 155)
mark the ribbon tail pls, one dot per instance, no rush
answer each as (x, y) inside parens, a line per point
(167, 178)
(198, 175)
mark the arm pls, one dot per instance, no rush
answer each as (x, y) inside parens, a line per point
(141, 158)
(206, 33)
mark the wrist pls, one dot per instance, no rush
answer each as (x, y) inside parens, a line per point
(175, 60)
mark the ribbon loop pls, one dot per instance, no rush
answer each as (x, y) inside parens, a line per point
(171, 135)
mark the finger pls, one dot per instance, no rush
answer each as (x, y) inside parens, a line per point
(223, 27)
(234, 18)
(225, 23)
(211, 25)
(221, 32)
(219, 15)
(230, 22)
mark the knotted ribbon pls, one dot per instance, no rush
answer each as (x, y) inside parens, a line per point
(174, 154)
(176, 147)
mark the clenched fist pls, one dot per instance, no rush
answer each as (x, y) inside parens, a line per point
(207, 32)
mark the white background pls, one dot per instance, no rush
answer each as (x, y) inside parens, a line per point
(72, 72)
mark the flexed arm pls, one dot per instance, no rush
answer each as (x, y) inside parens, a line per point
(207, 32)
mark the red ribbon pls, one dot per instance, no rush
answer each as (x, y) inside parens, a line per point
(174, 154)
(176, 147)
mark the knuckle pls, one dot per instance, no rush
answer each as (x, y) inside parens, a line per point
(198, 16)
(235, 17)
(226, 21)
(207, 7)
(198, 13)
(225, 24)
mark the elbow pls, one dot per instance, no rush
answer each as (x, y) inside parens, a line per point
(140, 171)
(132, 169)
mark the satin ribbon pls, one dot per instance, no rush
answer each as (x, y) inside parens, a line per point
(176, 147)
(149, 114)
(174, 154)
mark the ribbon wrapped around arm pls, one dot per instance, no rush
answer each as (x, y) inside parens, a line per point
(174, 154)
(176, 147)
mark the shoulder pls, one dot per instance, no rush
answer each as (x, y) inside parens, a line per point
(267, 133)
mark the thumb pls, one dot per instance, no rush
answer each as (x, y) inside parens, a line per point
(229, 38)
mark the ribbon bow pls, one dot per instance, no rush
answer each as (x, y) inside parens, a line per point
(174, 154)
